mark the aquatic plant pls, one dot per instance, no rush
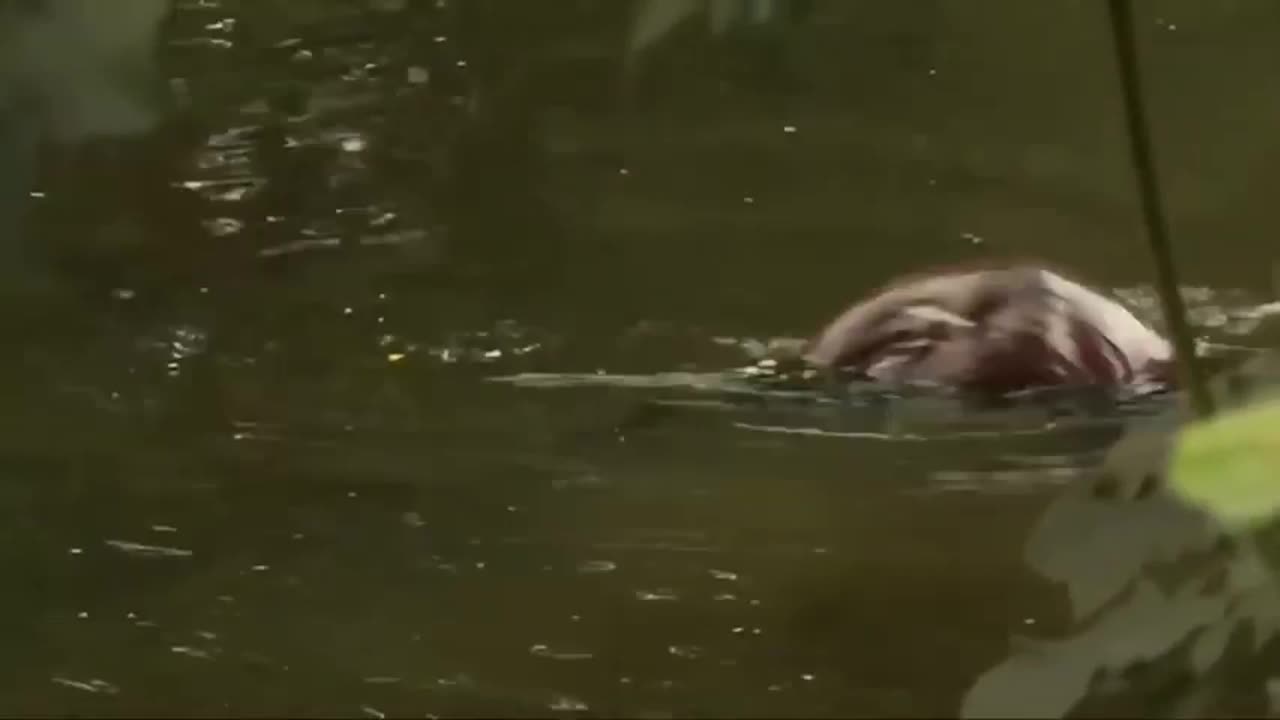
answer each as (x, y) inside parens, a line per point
(1166, 559)
(1153, 215)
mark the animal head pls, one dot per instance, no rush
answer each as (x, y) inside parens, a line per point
(998, 328)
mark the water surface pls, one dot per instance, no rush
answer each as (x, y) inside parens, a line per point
(261, 465)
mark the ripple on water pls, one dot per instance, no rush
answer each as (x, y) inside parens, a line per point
(148, 551)
(595, 567)
(567, 703)
(1224, 310)
(92, 685)
(544, 651)
(657, 595)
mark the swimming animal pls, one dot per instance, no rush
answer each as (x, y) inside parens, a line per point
(996, 329)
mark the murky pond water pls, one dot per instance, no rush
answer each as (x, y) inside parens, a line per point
(256, 460)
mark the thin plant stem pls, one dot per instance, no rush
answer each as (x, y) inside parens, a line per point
(1175, 313)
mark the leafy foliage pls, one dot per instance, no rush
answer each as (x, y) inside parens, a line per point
(1230, 466)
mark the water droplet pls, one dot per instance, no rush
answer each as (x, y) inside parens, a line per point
(688, 652)
(543, 651)
(564, 703)
(597, 566)
(788, 128)
(221, 227)
(662, 594)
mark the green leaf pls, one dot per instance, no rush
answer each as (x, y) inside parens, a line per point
(1229, 466)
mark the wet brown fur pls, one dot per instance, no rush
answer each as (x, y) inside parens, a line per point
(1003, 362)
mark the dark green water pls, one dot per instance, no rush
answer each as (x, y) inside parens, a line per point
(256, 466)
